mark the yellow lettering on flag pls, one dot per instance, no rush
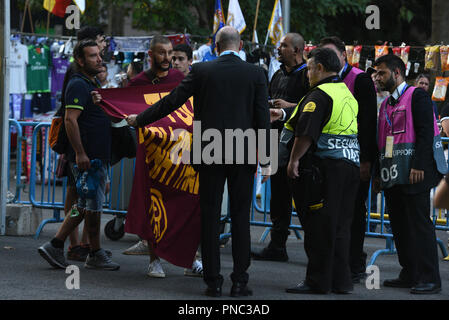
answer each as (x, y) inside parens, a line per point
(158, 214)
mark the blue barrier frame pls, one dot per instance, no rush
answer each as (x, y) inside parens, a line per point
(389, 239)
(19, 185)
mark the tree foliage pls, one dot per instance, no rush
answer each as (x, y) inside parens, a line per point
(312, 18)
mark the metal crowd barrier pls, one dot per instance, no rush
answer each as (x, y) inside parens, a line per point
(46, 191)
(374, 219)
(14, 193)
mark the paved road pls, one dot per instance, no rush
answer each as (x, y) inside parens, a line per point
(25, 275)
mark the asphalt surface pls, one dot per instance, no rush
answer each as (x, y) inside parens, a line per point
(24, 275)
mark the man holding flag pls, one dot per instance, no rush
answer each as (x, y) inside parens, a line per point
(222, 101)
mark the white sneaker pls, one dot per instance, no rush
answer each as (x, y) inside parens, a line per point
(140, 248)
(155, 269)
(196, 271)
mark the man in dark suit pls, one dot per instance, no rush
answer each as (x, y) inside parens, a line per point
(229, 94)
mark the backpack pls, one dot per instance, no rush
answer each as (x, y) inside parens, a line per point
(57, 137)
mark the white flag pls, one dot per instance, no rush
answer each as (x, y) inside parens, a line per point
(275, 28)
(81, 5)
(235, 16)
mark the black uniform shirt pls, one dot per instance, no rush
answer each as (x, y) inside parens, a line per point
(311, 120)
(289, 86)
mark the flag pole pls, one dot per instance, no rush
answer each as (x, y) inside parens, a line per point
(255, 20)
(31, 18)
(24, 15)
(48, 22)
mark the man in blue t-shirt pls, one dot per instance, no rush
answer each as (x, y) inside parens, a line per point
(89, 133)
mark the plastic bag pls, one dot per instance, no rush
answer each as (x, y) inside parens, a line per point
(404, 54)
(381, 50)
(431, 58)
(439, 91)
(356, 56)
(307, 49)
(397, 51)
(349, 54)
(444, 54)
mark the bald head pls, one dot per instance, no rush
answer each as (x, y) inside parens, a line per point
(228, 38)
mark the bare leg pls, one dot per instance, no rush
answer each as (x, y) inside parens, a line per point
(153, 255)
(92, 223)
(70, 199)
(70, 223)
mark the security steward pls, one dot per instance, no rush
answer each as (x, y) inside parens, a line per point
(411, 163)
(324, 172)
(287, 87)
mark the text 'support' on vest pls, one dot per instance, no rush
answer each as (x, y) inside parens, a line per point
(397, 121)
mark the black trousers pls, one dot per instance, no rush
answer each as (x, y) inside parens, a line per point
(357, 256)
(327, 230)
(280, 208)
(240, 180)
(414, 235)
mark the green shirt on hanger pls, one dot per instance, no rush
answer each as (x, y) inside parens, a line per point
(38, 68)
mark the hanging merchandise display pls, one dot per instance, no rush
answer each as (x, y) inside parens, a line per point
(37, 69)
(440, 88)
(60, 64)
(431, 58)
(405, 51)
(356, 56)
(349, 53)
(381, 50)
(18, 62)
(444, 50)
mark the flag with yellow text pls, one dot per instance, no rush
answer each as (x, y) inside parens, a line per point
(164, 204)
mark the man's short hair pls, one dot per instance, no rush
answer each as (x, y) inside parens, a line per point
(340, 45)
(184, 48)
(392, 62)
(327, 57)
(89, 33)
(78, 51)
(158, 39)
(297, 40)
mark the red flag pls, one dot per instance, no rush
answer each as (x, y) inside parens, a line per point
(164, 206)
(57, 7)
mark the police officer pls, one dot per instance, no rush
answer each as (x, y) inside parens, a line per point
(288, 85)
(411, 163)
(324, 168)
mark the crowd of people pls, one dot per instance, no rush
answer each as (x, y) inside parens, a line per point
(339, 128)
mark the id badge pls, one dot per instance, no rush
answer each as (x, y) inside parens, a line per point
(389, 147)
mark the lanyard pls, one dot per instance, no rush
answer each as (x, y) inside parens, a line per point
(344, 70)
(385, 110)
(300, 68)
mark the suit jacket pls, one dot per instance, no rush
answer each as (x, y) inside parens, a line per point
(228, 93)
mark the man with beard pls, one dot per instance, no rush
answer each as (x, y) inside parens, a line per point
(287, 87)
(411, 163)
(161, 55)
(88, 130)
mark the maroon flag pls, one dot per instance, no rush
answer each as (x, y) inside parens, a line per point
(164, 204)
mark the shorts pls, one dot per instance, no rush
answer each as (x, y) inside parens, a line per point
(97, 203)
